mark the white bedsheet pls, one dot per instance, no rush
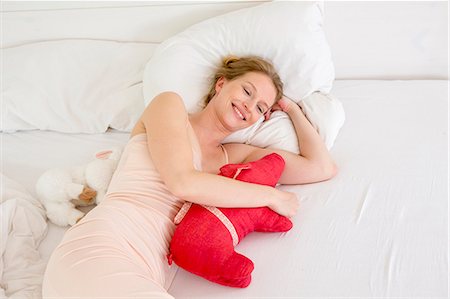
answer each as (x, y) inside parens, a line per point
(378, 229)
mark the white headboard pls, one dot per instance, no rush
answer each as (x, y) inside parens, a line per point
(369, 40)
(119, 21)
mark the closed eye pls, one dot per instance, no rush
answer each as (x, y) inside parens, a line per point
(260, 109)
(246, 91)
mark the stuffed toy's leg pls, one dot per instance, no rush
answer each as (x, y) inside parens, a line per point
(99, 197)
(213, 256)
(63, 214)
(236, 271)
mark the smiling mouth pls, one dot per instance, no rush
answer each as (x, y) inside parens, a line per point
(238, 112)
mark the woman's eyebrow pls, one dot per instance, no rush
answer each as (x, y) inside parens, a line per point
(253, 86)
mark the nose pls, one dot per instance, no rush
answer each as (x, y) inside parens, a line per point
(249, 104)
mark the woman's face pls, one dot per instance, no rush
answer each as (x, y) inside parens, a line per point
(242, 101)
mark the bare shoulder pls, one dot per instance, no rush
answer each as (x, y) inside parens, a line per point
(167, 97)
(163, 104)
(159, 107)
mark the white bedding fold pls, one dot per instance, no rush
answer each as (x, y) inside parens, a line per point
(23, 227)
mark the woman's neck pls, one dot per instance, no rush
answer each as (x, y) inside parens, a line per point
(209, 130)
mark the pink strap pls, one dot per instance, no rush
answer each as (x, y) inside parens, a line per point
(183, 211)
(225, 153)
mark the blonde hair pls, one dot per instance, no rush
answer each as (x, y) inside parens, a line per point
(233, 67)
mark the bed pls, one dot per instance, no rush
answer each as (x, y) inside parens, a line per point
(379, 229)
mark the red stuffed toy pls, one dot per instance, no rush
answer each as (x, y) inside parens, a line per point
(205, 238)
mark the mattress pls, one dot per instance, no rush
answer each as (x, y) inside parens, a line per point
(378, 229)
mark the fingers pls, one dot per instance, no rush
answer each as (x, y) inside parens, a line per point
(295, 207)
(286, 104)
(287, 204)
(291, 205)
(274, 108)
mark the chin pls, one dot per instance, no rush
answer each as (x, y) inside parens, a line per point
(233, 124)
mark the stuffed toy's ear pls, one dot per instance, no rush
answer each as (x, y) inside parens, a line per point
(103, 155)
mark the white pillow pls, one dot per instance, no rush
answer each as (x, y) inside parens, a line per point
(73, 86)
(287, 33)
(277, 132)
(324, 111)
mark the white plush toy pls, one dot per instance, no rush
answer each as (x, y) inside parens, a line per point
(62, 190)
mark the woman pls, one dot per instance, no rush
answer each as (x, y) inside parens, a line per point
(119, 248)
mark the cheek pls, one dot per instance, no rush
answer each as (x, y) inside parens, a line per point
(255, 118)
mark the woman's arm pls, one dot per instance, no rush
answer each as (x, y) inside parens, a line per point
(166, 124)
(314, 164)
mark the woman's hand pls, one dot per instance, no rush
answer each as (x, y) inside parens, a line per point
(284, 104)
(285, 203)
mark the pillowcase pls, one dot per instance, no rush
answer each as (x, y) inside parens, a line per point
(73, 86)
(289, 34)
(326, 113)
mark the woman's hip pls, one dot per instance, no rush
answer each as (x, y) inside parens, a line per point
(115, 243)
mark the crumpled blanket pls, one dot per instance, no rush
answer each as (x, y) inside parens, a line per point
(23, 227)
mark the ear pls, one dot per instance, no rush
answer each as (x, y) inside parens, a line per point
(219, 84)
(103, 155)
